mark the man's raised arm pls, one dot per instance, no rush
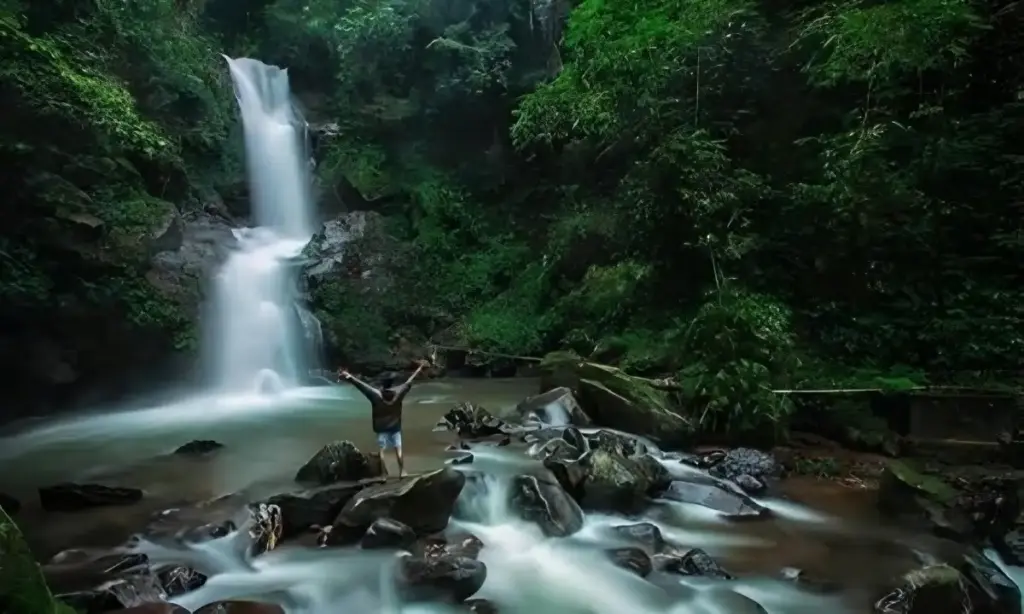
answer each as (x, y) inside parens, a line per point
(368, 391)
(407, 386)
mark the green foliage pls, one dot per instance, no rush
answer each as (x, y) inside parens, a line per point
(23, 589)
(741, 348)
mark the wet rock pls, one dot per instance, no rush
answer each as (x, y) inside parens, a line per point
(547, 504)
(77, 497)
(156, 608)
(934, 589)
(265, 528)
(989, 588)
(569, 474)
(555, 449)
(749, 484)
(480, 606)
(471, 421)
(616, 443)
(178, 580)
(556, 406)
(449, 579)
(694, 562)
(196, 523)
(386, 533)
(726, 600)
(733, 504)
(632, 559)
(461, 545)
(301, 511)
(241, 607)
(423, 502)
(808, 582)
(616, 483)
(80, 571)
(616, 400)
(575, 438)
(905, 492)
(118, 594)
(9, 504)
(744, 462)
(199, 447)
(340, 461)
(646, 534)
(464, 459)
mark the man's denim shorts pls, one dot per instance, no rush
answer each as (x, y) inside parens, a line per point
(389, 439)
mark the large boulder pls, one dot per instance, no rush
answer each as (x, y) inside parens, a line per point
(340, 461)
(614, 399)
(450, 579)
(933, 589)
(471, 421)
(615, 483)
(424, 503)
(302, 511)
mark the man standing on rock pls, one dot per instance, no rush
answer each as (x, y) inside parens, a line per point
(386, 406)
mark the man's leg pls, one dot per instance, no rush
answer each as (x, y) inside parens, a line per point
(396, 441)
(382, 443)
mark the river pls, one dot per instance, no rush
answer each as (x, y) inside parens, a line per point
(829, 531)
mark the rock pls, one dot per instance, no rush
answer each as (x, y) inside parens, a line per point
(545, 503)
(809, 583)
(575, 438)
(480, 606)
(616, 483)
(125, 592)
(905, 492)
(241, 607)
(178, 580)
(463, 545)
(616, 400)
(340, 461)
(304, 510)
(449, 579)
(743, 462)
(9, 504)
(180, 273)
(388, 533)
(989, 588)
(733, 504)
(616, 443)
(155, 608)
(471, 421)
(77, 571)
(199, 447)
(934, 589)
(554, 449)
(557, 406)
(646, 534)
(569, 474)
(749, 484)
(694, 562)
(423, 502)
(196, 523)
(464, 459)
(77, 497)
(632, 559)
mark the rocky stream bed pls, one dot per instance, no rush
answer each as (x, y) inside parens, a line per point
(540, 510)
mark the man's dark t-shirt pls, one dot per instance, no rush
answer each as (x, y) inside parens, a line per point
(387, 416)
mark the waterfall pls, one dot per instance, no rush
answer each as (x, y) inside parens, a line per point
(255, 341)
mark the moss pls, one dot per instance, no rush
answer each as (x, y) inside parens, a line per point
(23, 589)
(929, 486)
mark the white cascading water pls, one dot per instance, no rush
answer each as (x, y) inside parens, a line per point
(257, 341)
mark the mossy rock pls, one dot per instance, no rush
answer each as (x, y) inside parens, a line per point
(911, 494)
(617, 400)
(23, 589)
